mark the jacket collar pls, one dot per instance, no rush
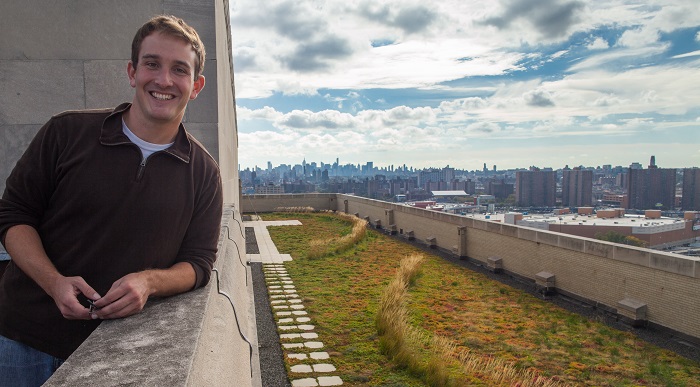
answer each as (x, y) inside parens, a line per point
(112, 134)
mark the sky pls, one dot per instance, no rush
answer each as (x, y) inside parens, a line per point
(510, 83)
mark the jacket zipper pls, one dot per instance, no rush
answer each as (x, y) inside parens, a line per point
(142, 168)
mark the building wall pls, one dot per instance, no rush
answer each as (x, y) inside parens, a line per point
(691, 189)
(649, 187)
(536, 188)
(577, 188)
(270, 203)
(596, 271)
(683, 235)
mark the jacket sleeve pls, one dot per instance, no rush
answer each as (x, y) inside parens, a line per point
(30, 185)
(199, 247)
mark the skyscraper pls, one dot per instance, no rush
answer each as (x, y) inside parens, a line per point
(577, 188)
(535, 188)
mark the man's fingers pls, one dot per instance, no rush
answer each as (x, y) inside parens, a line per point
(127, 296)
(65, 294)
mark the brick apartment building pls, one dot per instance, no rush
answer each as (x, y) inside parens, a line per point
(651, 188)
(536, 188)
(577, 188)
(691, 189)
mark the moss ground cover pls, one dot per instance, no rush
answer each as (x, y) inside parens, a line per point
(475, 315)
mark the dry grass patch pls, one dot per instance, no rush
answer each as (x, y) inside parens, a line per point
(319, 248)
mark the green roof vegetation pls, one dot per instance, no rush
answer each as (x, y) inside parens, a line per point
(455, 326)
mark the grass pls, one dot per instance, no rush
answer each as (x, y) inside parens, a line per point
(464, 329)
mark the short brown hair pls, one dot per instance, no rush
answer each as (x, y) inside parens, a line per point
(173, 26)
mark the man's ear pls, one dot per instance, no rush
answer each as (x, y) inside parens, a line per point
(131, 73)
(198, 86)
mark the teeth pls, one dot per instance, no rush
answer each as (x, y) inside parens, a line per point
(162, 97)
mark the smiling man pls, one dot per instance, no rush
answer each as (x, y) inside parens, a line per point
(107, 208)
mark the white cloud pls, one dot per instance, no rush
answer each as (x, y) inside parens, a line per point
(618, 57)
(473, 63)
(307, 120)
(687, 55)
(598, 44)
(638, 37)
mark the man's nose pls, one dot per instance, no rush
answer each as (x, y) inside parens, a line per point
(164, 78)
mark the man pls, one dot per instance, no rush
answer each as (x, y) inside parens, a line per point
(109, 208)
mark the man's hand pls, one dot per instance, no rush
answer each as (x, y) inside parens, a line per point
(27, 252)
(65, 291)
(127, 296)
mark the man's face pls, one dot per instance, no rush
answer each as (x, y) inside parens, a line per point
(163, 79)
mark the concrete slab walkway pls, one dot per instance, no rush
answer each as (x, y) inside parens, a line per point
(268, 250)
(312, 366)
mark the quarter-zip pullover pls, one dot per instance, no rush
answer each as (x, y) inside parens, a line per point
(102, 213)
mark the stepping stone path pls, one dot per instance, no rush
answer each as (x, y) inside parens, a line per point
(297, 335)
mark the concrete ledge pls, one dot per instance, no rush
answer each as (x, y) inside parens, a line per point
(637, 256)
(509, 230)
(186, 340)
(493, 227)
(599, 249)
(572, 243)
(527, 234)
(155, 347)
(548, 238)
(674, 263)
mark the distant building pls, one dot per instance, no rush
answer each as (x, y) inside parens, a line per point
(653, 188)
(536, 188)
(426, 176)
(615, 200)
(269, 189)
(448, 196)
(467, 186)
(577, 188)
(691, 189)
(499, 189)
(651, 228)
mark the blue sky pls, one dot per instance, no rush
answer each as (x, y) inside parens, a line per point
(511, 83)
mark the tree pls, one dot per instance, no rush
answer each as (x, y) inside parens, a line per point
(616, 237)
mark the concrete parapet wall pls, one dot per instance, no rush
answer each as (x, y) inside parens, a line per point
(187, 340)
(269, 203)
(600, 272)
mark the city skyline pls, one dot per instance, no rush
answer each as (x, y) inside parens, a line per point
(490, 168)
(512, 83)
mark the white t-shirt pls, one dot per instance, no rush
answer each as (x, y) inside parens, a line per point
(147, 148)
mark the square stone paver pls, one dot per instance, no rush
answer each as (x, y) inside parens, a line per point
(330, 381)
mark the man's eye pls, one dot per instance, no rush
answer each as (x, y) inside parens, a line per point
(151, 65)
